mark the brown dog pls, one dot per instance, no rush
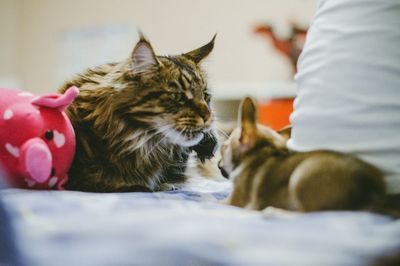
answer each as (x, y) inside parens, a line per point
(265, 173)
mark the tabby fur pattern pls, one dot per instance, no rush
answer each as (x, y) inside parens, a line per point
(137, 121)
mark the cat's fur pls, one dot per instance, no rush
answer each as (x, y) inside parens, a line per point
(266, 174)
(136, 121)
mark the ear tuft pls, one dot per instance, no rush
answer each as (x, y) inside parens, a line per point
(201, 53)
(143, 58)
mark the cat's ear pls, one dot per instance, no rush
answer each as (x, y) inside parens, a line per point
(201, 53)
(248, 122)
(143, 58)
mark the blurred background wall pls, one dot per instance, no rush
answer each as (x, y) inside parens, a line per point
(30, 34)
(10, 30)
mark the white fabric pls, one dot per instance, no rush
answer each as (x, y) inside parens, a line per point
(349, 84)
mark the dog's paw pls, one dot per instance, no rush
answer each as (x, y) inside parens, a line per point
(276, 212)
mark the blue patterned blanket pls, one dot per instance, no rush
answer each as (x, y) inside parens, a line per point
(186, 227)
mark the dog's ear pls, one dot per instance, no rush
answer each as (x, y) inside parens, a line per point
(248, 122)
(285, 132)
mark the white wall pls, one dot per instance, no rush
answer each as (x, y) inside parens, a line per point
(173, 26)
(9, 28)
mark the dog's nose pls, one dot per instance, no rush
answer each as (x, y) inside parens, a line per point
(222, 170)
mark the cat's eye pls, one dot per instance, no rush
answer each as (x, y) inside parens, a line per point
(176, 96)
(49, 135)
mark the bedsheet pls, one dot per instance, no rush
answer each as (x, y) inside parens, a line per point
(189, 226)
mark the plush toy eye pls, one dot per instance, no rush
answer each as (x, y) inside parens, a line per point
(49, 135)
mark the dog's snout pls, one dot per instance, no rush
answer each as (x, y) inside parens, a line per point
(222, 170)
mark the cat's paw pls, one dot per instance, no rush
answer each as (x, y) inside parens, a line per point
(169, 187)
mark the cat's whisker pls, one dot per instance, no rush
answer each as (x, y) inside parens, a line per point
(156, 144)
(222, 132)
(179, 134)
(139, 141)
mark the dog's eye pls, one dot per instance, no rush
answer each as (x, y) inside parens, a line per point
(49, 135)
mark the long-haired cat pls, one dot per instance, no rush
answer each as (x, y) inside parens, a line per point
(136, 121)
(266, 174)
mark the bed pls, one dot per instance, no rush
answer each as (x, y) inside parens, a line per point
(189, 226)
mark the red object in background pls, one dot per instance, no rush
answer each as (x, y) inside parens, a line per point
(37, 141)
(275, 113)
(291, 46)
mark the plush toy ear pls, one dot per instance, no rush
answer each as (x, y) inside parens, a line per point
(58, 101)
(248, 122)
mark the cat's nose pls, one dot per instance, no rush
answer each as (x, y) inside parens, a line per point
(204, 111)
(207, 118)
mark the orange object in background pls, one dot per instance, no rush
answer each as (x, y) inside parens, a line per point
(275, 113)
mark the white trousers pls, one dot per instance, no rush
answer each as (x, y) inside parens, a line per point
(349, 84)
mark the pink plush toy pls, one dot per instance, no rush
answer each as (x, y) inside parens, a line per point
(37, 141)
